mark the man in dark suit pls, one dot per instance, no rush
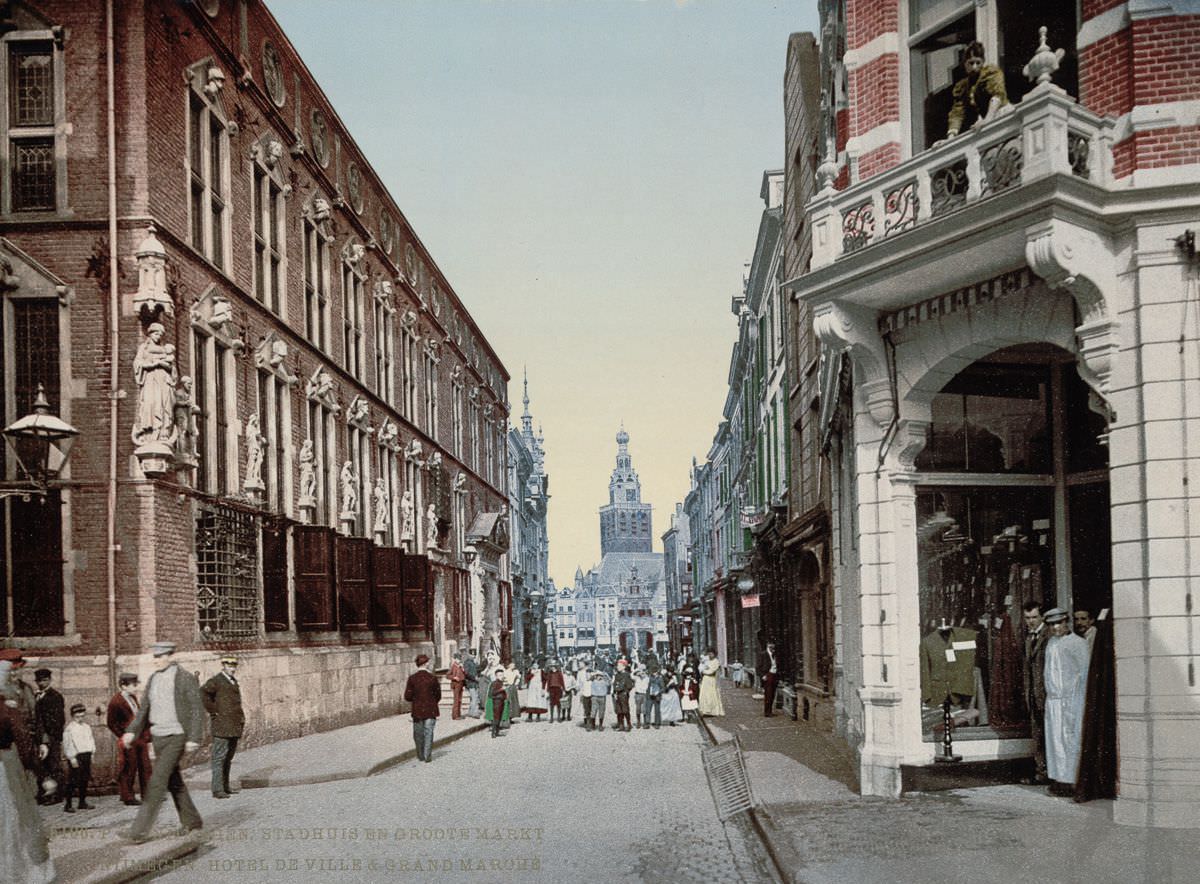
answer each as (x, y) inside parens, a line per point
(174, 711)
(132, 762)
(223, 701)
(1036, 636)
(423, 691)
(49, 719)
(767, 669)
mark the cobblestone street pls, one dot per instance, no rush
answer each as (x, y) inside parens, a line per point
(544, 803)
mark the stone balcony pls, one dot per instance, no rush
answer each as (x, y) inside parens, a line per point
(1046, 134)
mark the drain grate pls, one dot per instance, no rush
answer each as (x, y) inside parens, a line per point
(725, 767)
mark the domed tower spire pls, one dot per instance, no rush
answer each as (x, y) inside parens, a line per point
(526, 417)
(625, 520)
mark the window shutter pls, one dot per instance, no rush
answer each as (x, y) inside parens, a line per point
(354, 582)
(275, 575)
(415, 579)
(316, 602)
(386, 598)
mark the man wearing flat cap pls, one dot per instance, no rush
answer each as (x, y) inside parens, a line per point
(133, 762)
(172, 707)
(223, 700)
(424, 691)
(49, 719)
(1067, 659)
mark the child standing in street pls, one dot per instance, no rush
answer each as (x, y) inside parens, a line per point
(78, 745)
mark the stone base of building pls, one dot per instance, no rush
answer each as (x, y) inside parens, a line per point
(287, 691)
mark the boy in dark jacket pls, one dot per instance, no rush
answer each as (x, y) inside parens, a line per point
(622, 685)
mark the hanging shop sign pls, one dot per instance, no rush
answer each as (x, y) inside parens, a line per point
(750, 601)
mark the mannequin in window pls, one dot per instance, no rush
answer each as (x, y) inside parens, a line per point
(978, 95)
(948, 665)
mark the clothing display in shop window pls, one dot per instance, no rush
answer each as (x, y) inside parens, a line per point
(1097, 776)
(1006, 704)
(948, 666)
(1066, 689)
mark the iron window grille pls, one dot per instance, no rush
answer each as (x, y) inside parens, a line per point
(227, 597)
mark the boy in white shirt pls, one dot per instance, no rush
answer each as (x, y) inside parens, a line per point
(78, 745)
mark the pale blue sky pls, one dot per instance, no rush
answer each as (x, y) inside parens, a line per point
(586, 174)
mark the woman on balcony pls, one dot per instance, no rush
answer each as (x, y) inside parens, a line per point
(979, 94)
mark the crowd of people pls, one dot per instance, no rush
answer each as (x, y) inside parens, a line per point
(36, 736)
(643, 690)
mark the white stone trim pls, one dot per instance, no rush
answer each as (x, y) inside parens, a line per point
(883, 134)
(1165, 176)
(1146, 117)
(1111, 21)
(1142, 9)
(885, 44)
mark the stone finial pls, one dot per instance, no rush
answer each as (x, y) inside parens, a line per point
(827, 173)
(152, 274)
(1045, 60)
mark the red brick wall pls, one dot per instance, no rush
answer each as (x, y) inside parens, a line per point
(1166, 59)
(1092, 8)
(1105, 86)
(879, 160)
(868, 19)
(1157, 148)
(874, 94)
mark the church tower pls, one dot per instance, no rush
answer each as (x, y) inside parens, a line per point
(625, 524)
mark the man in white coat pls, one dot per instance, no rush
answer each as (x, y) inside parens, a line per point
(1066, 689)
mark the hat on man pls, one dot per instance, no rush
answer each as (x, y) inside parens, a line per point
(231, 659)
(13, 656)
(127, 678)
(78, 707)
(422, 659)
(161, 649)
(39, 674)
(1055, 615)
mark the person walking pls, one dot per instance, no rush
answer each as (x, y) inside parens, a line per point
(223, 701)
(471, 669)
(672, 711)
(767, 669)
(133, 762)
(174, 709)
(79, 745)
(424, 692)
(622, 686)
(512, 683)
(710, 693)
(49, 719)
(24, 845)
(535, 702)
(497, 701)
(653, 699)
(689, 687)
(458, 679)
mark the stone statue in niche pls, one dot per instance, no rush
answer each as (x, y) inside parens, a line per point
(431, 527)
(186, 430)
(383, 507)
(308, 474)
(154, 371)
(349, 489)
(255, 443)
(407, 516)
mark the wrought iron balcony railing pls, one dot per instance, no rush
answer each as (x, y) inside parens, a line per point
(1047, 133)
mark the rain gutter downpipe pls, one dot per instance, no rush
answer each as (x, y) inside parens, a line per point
(113, 351)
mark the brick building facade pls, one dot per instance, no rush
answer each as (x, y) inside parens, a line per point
(288, 420)
(1008, 378)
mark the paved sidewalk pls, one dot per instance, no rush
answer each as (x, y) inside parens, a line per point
(821, 831)
(86, 846)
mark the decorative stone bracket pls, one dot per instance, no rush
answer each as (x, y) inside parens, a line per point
(320, 389)
(358, 414)
(853, 330)
(1077, 259)
(213, 312)
(271, 354)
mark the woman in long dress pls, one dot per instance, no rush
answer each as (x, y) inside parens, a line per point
(24, 850)
(535, 701)
(710, 694)
(672, 712)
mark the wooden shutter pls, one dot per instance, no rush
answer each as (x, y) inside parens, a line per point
(316, 601)
(275, 574)
(354, 582)
(387, 591)
(414, 573)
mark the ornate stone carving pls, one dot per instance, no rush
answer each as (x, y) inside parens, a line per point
(433, 348)
(154, 372)
(271, 355)
(911, 438)
(308, 475)
(843, 328)
(359, 413)
(273, 74)
(354, 187)
(460, 483)
(387, 232)
(349, 483)
(186, 430)
(382, 293)
(431, 527)
(255, 443)
(319, 136)
(152, 295)
(410, 264)
(407, 517)
(214, 81)
(408, 319)
(1045, 60)
(413, 452)
(320, 389)
(321, 209)
(389, 435)
(354, 253)
(383, 508)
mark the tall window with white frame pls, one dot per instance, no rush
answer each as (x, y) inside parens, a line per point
(431, 399)
(31, 531)
(408, 372)
(34, 123)
(316, 284)
(359, 456)
(208, 171)
(388, 478)
(267, 212)
(488, 445)
(321, 431)
(456, 416)
(212, 367)
(385, 350)
(274, 417)
(352, 317)
(473, 430)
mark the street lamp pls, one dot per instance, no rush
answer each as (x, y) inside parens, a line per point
(41, 442)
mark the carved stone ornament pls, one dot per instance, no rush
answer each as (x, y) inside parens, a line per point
(355, 187)
(211, 7)
(358, 413)
(473, 394)
(268, 152)
(297, 149)
(387, 232)
(408, 319)
(410, 264)
(383, 507)
(152, 294)
(431, 527)
(456, 374)
(255, 445)
(320, 210)
(319, 136)
(320, 389)
(849, 329)
(436, 298)
(460, 483)
(271, 354)
(383, 295)
(154, 370)
(214, 314)
(433, 349)
(354, 253)
(349, 487)
(407, 516)
(214, 81)
(1045, 60)
(389, 435)
(308, 475)
(413, 452)
(273, 74)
